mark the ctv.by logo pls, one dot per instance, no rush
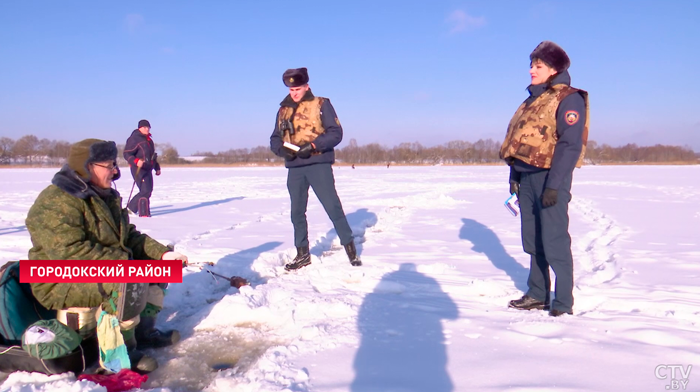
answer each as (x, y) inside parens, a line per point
(679, 376)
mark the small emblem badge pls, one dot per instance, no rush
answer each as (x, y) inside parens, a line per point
(571, 117)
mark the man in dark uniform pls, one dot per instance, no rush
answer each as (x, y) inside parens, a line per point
(306, 133)
(546, 140)
(140, 152)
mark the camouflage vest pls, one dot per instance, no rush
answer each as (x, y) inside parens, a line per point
(532, 132)
(306, 120)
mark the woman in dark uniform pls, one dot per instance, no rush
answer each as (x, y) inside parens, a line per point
(546, 140)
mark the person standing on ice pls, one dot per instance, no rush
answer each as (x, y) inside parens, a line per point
(305, 135)
(140, 152)
(546, 140)
(79, 217)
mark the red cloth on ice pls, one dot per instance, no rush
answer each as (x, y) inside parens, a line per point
(123, 381)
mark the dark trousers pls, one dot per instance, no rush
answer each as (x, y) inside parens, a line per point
(545, 234)
(141, 202)
(320, 177)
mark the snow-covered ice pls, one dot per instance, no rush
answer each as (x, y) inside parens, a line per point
(428, 309)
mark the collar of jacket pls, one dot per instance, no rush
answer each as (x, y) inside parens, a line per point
(289, 102)
(70, 182)
(561, 78)
(136, 132)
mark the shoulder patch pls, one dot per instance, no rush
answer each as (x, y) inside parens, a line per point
(337, 121)
(571, 117)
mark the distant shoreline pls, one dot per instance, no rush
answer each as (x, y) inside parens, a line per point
(254, 165)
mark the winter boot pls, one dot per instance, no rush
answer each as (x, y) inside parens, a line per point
(527, 303)
(558, 313)
(147, 336)
(144, 207)
(140, 362)
(352, 254)
(302, 259)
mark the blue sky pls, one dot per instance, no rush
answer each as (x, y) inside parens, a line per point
(207, 74)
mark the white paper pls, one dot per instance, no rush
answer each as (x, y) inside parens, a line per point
(291, 146)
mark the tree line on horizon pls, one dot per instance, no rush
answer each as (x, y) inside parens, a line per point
(30, 150)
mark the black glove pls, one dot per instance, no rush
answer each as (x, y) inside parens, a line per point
(549, 197)
(288, 154)
(305, 150)
(515, 188)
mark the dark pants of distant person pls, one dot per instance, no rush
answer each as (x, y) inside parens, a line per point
(140, 203)
(545, 235)
(320, 177)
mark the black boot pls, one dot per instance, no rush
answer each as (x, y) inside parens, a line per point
(526, 303)
(302, 259)
(557, 313)
(140, 362)
(352, 254)
(147, 336)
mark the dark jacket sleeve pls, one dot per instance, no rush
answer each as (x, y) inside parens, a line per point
(131, 149)
(333, 134)
(276, 139)
(514, 175)
(570, 143)
(156, 165)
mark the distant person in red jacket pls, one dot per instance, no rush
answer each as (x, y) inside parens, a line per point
(141, 154)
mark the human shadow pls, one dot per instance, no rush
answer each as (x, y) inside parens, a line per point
(12, 230)
(200, 205)
(359, 221)
(200, 291)
(485, 241)
(161, 207)
(201, 352)
(209, 288)
(403, 345)
(241, 263)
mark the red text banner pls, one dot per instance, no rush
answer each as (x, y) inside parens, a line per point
(100, 271)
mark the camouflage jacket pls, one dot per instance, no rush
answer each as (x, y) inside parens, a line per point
(314, 120)
(69, 221)
(533, 131)
(306, 119)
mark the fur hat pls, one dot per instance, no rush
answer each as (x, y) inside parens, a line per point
(295, 77)
(144, 123)
(89, 151)
(552, 54)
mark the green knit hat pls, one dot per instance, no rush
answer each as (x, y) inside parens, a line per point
(89, 151)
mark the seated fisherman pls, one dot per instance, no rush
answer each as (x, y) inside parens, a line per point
(79, 217)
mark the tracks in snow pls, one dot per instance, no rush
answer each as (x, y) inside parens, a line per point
(595, 252)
